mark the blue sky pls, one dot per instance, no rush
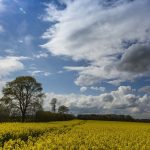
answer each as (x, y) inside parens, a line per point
(22, 33)
(93, 60)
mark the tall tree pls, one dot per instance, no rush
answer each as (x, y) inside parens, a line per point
(23, 94)
(53, 104)
(63, 109)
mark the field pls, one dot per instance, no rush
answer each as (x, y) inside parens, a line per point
(74, 135)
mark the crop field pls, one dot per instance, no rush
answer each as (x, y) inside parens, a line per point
(74, 135)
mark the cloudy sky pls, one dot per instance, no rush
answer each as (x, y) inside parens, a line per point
(92, 55)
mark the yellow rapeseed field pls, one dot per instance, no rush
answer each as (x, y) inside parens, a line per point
(75, 135)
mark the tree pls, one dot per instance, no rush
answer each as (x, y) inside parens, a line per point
(63, 109)
(23, 94)
(53, 104)
(4, 112)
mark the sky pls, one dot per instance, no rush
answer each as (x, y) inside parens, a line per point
(92, 55)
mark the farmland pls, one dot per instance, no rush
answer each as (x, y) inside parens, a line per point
(76, 134)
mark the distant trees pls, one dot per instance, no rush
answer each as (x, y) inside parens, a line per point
(63, 109)
(46, 116)
(23, 95)
(53, 104)
(109, 117)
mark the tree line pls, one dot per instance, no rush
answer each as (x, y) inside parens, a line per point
(23, 100)
(110, 117)
(106, 117)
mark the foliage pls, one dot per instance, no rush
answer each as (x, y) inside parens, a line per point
(23, 95)
(53, 104)
(108, 117)
(4, 112)
(63, 109)
(45, 116)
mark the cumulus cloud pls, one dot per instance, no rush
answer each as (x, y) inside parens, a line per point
(121, 101)
(107, 97)
(110, 35)
(83, 89)
(10, 64)
(144, 104)
(94, 88)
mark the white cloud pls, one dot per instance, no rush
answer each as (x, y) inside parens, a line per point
(100, 34)
(121, 101)
(102, 89)
(41, 55)
(39, 73)
(10, 64)
(83, 89)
